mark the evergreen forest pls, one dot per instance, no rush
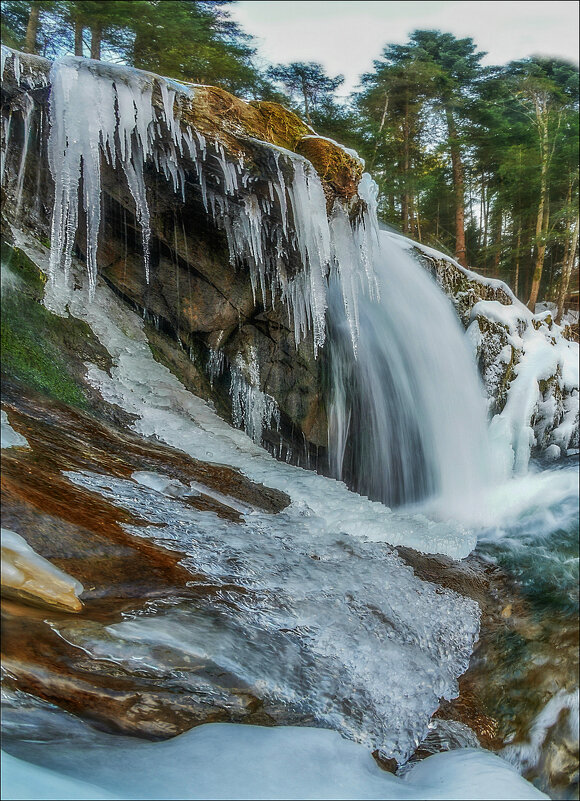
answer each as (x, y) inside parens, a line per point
(478, 161)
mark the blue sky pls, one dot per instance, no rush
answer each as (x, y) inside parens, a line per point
(346, 35)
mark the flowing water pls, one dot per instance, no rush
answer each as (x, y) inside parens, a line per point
(531, 676)
(407, 414)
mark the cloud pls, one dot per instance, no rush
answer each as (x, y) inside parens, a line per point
(346, 36)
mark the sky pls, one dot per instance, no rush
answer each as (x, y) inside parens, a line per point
(346, 35)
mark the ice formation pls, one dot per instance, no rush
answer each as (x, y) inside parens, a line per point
(90, 114)
(10, 437)
(25, 570)
(165, 409)
(100, 111)
(252, 409)
(339, 609)
(309, 605)
(541, 406)
(225, 761)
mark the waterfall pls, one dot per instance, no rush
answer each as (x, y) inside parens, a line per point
(407, 419)
(407, 413)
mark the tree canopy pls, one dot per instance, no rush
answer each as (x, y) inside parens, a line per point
(481, 162)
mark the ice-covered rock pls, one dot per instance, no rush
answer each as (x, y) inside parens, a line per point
(528, 363)
(232, 249)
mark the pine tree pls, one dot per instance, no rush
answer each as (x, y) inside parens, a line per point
(307, 81)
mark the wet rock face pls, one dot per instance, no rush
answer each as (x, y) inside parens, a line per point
(197, 295)
(59, 651)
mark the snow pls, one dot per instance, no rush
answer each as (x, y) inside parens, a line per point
(495, 283)
(225, 761)
(349, 151)
(22, 781)
(547, 419)
(10, 437)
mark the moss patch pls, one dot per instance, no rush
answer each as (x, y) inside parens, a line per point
(29, 351)
(333, 165)
(24, 269)
(39, 348)
(275, 124)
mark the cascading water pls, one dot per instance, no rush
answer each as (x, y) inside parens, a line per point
(406, 420)
(407, 413)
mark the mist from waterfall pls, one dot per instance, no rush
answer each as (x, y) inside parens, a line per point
(407, 415)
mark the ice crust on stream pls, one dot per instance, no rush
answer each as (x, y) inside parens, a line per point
(10, 437)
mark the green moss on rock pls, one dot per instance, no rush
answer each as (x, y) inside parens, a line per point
(40, 349)
(29, 350)
(18, 263)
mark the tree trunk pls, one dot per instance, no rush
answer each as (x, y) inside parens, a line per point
(404, 199)
(485, 201)
(306, 106)
(541, 221)
(32, 28)
(418, 220)
(497, 244)
(381, 126)
(78, 38)
(540, 254)
(480, 231)
(567, 272)
(407, 198)
(96, 36)
(518, 243)
(458, 186)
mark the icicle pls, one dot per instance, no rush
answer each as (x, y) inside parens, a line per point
(109, 110)
(86, 111)
(280, 188)
(252, 409)
(5, 52)
(215, 365)
(313, 235)
(27, 107)
(168, 98)
(228, 170)
(202, 143)
(16, 67)
(6, 129)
